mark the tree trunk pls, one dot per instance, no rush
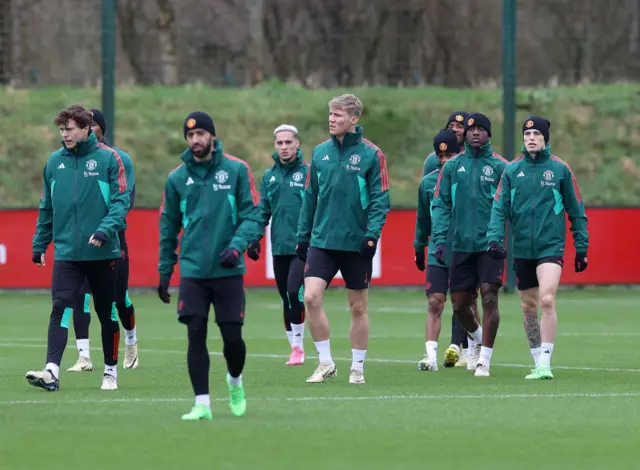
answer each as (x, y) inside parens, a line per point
(167, 38)
(6, 43)
(255, 48)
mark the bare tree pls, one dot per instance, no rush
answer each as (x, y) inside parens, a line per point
(167, 38)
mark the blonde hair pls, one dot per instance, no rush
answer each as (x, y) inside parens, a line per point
(286, 127)
(349, 103)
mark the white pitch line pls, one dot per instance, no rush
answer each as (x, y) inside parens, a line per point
(494, 396)
(377, 360)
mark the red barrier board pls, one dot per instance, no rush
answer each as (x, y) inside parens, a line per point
(613, 258)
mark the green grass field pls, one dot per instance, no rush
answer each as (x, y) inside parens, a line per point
(587, 418)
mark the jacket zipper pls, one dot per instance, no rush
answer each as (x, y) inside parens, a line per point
(475, 195)
(533, 247)
(75, 205)
(335, 183)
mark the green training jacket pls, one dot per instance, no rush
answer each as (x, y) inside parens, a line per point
(281, 193)
(84, 191)
(347, 194)
(215, 204)
(464, 195)
(534, 195)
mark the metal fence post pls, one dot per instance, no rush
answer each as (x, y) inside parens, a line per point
(109, 66)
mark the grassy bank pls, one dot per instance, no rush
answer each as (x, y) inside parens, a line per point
(595, 128)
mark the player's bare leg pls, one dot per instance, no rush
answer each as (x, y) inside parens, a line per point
(548, 279)
(529, 302)
(359, 333)
(462, 302)
(490, 325)
(432, 331)
(467, 352)
(318, 324)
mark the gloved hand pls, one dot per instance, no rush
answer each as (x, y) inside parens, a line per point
(368, 247)
(36, 258)
(496, 251)
(581, 262)
(441, 252)
(98, 239)
(229, 258)
(419, 260)
(163, 291)
(301, 250)
(253, 251)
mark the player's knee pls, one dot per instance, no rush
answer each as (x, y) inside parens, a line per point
(196, 328)
(358, 307)
(58, 306)
(547, 302)
(231, 333)
(490, 301)
(529, 306)
(436, 304)
(313, 299)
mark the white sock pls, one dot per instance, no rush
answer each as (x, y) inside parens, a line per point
(130, 336)
(357, 361)
(235, 380)
(485, 355)
(476, 336)
(111, 370)
(290, 337)
(203, 400)
(83, 347)
(545, 354)
(432, 350)
(54, 368)
(472, 345)
(535, 354)
(465, 353)
(298, 335)
(324, 351)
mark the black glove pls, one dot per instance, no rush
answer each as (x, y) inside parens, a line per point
(36, 258)
(229, 258)
(419, 259)
(368, 248)
(253, 251)
(163, 291)
(100, 236)
(496, 251)
(301, 250)
(581, 262)
(441, 253)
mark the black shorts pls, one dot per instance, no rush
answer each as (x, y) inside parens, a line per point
(325, 264)
(469, 270)
(526, 275)
(437, 280)
(226, 294)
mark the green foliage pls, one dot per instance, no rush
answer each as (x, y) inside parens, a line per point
(594, 128)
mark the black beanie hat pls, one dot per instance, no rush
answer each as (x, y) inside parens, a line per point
(457, 116)
(538, 123)
(98, 118)
(480, 120)
(199, 120)
(446, 141)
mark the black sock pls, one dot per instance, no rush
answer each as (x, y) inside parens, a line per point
(198, 355)
(458, 332)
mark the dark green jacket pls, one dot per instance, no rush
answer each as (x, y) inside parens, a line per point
(534, 196)
(424, 221)
(464, 195)
(129, 171)
(347, 194)
(430, 164)
(84, 191)
(215, 203)
(281, 192)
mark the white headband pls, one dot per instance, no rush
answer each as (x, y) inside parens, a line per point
(286, 127)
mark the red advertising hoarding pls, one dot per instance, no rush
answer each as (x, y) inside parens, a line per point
(613, 258)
